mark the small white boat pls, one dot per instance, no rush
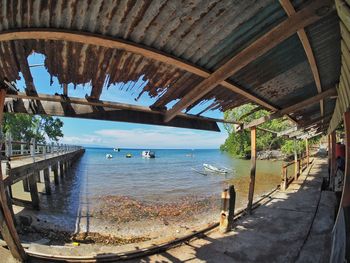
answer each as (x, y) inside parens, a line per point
(148, 154)
(116, 149)
(214, 169)
(109, 156)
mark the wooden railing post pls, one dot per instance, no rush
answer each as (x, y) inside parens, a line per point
(22, 147)
(44, 151)
(252, 169)
(8, 145)
(32, 148)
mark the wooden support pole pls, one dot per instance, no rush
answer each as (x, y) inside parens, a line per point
(252, 169)
(47, 181)
(61, 170)
(329, 161)
(345, 199)
(34, 191)
(25, 182)
(307, 152)
(66, 167)
(7, 226)
(333, 160)
(296, 163)
(55, 174)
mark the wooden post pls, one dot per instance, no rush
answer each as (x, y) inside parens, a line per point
(47, 181)
(44, 151)
(333, 160)
(252, 169)
(65, 164)
(61, 169)
(7, 226)
(55, 174)
(34, 191)
(32, 148)
(25, 182)
(307, 152)
(345, 199)
(284, 178)
(231, 207)
(22, 147)
(296, 163)
(8, 145)
(228, 199)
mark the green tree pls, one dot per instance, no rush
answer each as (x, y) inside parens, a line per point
(238, 143)
(24, 127)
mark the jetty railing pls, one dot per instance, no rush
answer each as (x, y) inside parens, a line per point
(31, 163)
(32, 148)
(300, 164)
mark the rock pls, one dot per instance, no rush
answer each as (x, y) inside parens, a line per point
(25, 220)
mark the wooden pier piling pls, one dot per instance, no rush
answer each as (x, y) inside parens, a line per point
(55, 174)
(47, 181)
(34, 191)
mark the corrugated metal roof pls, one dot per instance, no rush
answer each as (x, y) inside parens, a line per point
(206, 33)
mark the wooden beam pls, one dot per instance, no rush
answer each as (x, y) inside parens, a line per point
(293, 108)
(110, 42)
(134, 114)
(278, 34)
(108, 104)
(286, 132)
(252, 169)
(250, 113)
(288, 7)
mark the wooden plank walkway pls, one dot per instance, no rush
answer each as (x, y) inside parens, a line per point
(292, 225)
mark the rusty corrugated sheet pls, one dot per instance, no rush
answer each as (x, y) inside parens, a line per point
(206, 33)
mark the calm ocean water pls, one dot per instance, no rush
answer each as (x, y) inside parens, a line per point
(167, 178)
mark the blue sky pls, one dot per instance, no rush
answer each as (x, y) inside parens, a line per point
(122, 134)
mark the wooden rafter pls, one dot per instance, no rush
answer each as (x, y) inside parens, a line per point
(109, 42)
(288, 7)
(109, 104)
(293, 108)
(250, 113)
(278, 34)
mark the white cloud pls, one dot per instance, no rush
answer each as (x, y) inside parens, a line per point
(162, 137)
(85, 139)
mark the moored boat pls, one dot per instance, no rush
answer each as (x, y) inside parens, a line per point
(109, 156)
(148, 154)
(128, 155)
(212, 168)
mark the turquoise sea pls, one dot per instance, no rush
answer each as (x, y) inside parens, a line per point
(167, 178)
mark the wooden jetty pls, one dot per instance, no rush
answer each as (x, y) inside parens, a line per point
(31, 162)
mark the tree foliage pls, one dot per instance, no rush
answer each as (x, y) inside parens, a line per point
(238, 143)
(24, 127)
